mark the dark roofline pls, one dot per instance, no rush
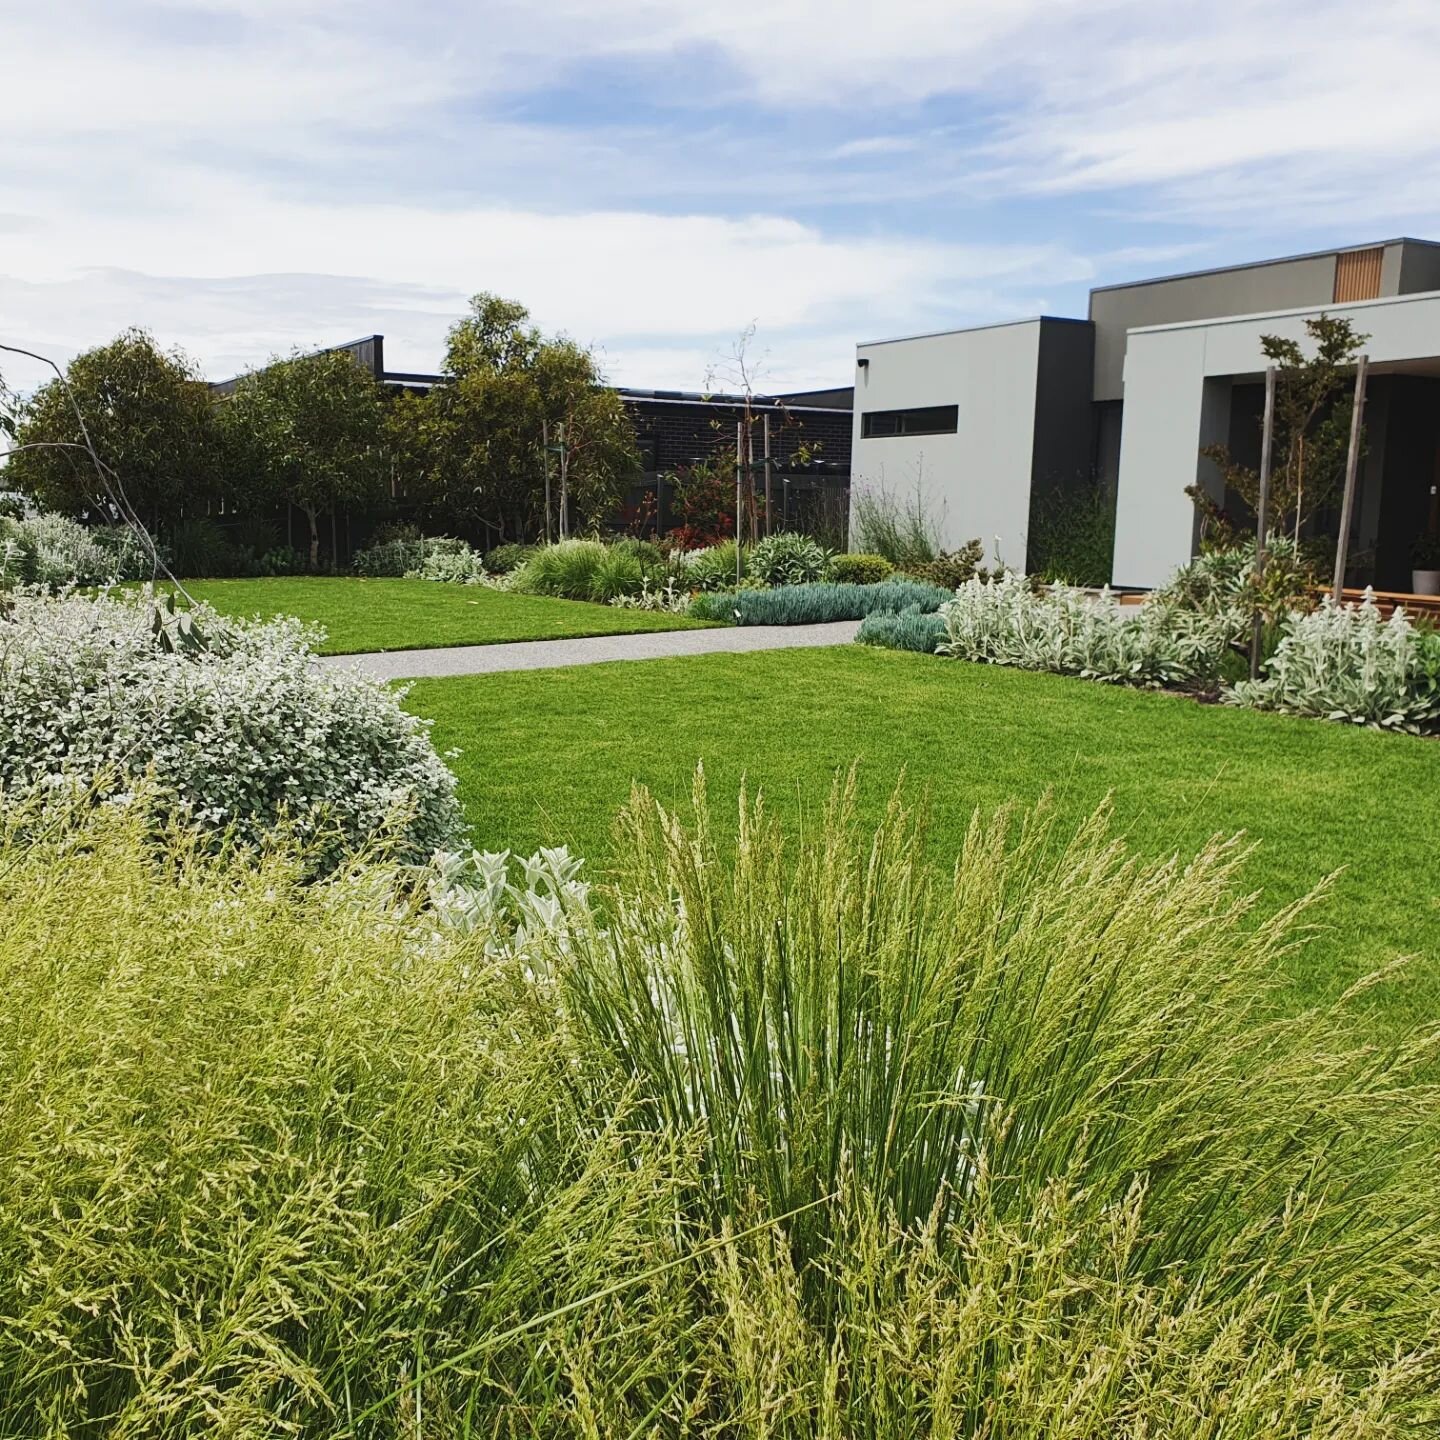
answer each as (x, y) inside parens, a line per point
(662, 397)
(1261, 264)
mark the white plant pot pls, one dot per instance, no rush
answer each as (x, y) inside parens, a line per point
(1425, 582)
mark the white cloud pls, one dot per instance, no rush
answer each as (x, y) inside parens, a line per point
(243, 175)
(286, 272)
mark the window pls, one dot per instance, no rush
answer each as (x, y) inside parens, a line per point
(928, 420)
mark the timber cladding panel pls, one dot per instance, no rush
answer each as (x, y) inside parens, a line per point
(1357, 274)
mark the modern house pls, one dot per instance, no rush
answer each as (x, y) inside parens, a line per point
(990, 421)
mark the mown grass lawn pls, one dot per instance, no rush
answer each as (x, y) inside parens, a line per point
(360, 615)
(549, 756)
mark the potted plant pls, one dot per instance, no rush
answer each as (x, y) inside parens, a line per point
(1425, 557)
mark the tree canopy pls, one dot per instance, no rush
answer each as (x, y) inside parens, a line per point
(309, 431)
(477, 441)
(1311, 434)
(150, 417)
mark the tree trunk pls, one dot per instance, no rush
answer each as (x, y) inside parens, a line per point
(313, 516)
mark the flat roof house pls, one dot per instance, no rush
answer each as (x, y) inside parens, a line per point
(991, 420)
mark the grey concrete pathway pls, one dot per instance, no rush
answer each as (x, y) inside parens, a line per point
(547, 654)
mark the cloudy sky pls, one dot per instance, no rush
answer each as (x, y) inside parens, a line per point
(245, 176)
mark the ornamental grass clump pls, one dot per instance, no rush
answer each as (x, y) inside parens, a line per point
(1059, 1084)
(237, 727)
(1344, 662)
(713, 567)
(568, 569)
(779, 1136)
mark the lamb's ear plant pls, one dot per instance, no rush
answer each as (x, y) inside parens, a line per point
(1348, 663)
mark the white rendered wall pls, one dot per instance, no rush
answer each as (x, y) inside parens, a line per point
(1167, 419)
(976, 482)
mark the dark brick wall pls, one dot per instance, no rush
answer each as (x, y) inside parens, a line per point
(675, 433)
(807, 493)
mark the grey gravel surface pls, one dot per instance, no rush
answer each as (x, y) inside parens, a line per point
(547, 654)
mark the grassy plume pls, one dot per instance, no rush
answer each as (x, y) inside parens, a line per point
(796, 1136)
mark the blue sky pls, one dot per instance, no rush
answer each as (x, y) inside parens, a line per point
(246, 176)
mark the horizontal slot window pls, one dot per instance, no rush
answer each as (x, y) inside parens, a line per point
(927, 420)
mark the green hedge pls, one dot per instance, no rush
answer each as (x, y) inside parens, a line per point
(860, 569)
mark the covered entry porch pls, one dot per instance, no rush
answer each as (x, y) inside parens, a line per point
(1196, 385)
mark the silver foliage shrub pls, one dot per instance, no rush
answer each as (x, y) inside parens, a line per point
(238, 731)
(49, 549)
(456, 564)
(1065, 630)
(43, 548)
(668, 599)
(1344, 662)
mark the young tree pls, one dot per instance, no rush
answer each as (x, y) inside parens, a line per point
(150, 417)
(309, 431)
(1311, 432)
(477, 440)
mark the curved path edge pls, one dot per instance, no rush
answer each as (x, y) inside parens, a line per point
(593, 650)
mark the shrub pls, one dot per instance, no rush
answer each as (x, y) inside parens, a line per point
(282, 560)
(1064, 630)
(859, 569)
(1072, 536)
(254, 536)
(52, 550)
(389, 530)
(131, 556)
(200, 550)
(787, 558)
(237, 724)
(567, 569)
(504, 559)
(1027, 1138)
(815, 604)
(389, 558)
(1343, 662)
(910, 629)
(1222, 582)
(451, 562)
(712, 568)
(667, 598)
(401, 554)
(950, 569)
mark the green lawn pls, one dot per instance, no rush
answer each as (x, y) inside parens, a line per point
(549, 756)
(421, 614)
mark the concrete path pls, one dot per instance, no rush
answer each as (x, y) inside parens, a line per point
(547, 654)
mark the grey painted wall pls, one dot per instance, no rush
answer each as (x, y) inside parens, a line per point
(1280, 285)
(976, 481)
(1419, 268)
